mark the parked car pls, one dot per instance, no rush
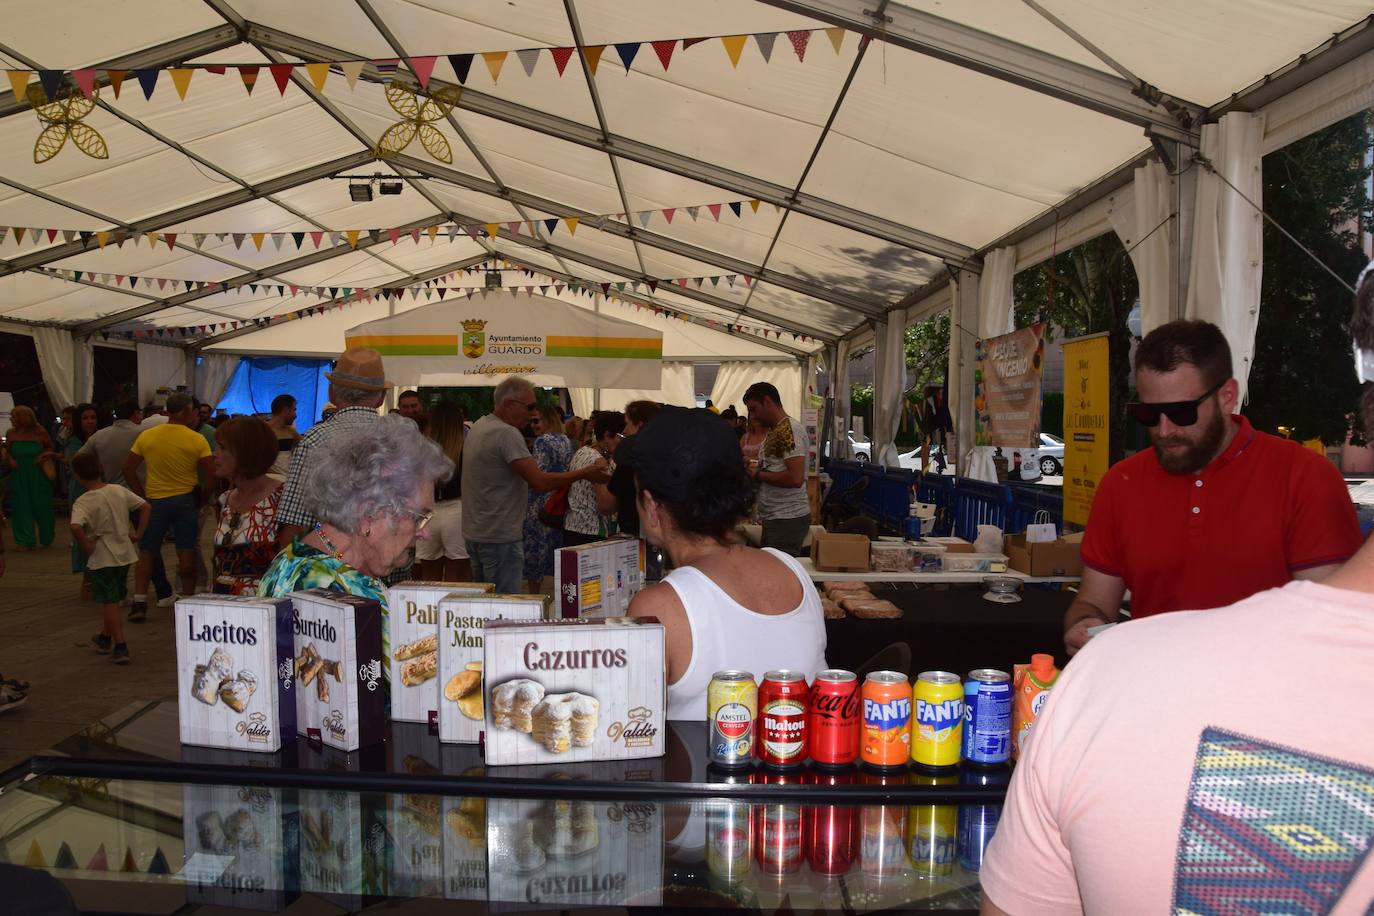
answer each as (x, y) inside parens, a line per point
(861, 447)
(1050, 455)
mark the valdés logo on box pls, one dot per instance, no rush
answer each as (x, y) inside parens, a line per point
(223, 631)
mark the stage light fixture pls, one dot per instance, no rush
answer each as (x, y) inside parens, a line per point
(389, 187)
(360, 191)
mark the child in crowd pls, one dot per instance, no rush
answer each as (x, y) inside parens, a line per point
(100, 524)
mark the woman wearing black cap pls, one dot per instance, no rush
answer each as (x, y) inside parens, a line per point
(725, 605)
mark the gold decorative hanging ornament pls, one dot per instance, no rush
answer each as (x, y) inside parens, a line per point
(61, 118)
(419, 118)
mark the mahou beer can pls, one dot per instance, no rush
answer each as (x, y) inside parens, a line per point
(779, 830)
(833, 829)
(732, 702)
(835, 722)
(783, 699)
(987, 717)
(938, 719)
(887, 720)
(933, 830)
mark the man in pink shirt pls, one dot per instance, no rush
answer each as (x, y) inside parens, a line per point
(1207, 762)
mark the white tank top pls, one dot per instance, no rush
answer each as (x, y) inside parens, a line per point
(725, 634)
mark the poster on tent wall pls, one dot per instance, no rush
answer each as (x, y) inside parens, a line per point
(1006, 388)
(480, 340)
(1087, 401)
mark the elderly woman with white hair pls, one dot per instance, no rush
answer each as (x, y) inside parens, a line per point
(372, 495)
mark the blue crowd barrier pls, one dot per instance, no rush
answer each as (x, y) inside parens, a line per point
(1028, 502)
(978, 502)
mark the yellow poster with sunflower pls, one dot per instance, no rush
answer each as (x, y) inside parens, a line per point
(1006, 388)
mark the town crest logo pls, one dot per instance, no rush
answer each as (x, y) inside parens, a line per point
(474, 338)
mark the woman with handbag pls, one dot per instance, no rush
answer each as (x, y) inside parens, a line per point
(543, 534)
(29, 453)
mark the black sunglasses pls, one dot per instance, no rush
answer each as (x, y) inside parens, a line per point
(1180, 413)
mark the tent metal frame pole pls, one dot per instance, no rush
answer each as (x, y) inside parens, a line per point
(645, 154)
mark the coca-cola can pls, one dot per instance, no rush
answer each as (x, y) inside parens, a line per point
(783, 699)
(779, 829)
(835, 722)
(833, 829)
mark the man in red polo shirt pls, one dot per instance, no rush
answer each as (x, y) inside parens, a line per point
(1213, 513)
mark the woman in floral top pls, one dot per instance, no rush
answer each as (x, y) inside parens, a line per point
(553, 452)
(372, 493)
(246, 534)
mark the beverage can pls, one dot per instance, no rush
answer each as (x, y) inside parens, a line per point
(938, 726)
(834, 722)
(783, 697)
(833, 829)
(779, 830)
(729, 833)
(887, 719)
(731, 707)
(882, 842)
(933, 830)
(987, 717)
(977, 823)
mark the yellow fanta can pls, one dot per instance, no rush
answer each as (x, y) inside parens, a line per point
(938, 719)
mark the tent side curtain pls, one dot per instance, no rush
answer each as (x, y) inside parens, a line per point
(679, 390)
(734, 379)
(213, 373)
(259, 379)
(159, 367)
(57, 358)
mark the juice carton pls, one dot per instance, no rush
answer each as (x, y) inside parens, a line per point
(1030, 689)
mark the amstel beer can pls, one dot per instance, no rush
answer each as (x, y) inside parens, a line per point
(938, 728)
(779, 829)
(987, 717)
(729, 833)
(882, 843)
(834, 723)
(977, 823)
(833, 829)
(732, 702)
(932, 831)
(783, 699)
(887, 720)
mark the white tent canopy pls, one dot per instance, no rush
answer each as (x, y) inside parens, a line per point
(783, 183)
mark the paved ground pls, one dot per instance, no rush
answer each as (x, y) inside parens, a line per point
(44, 633)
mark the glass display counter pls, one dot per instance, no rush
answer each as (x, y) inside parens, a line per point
(128, 820)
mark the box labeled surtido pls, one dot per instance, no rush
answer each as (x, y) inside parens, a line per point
(569, 690)
(598, 579)
(461, 621)
(413, 622)
(343, 847)
(340, 697)
(235, 672)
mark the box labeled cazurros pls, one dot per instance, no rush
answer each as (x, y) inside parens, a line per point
(568, 690)
(462, 618)
(340, 697)
(235, 672)
(413, 622)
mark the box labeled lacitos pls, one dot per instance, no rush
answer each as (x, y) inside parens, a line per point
(598, 579)
(340, 696)
(240, 846)
(413, 622)
(569, 690)
(462, 618)
(235, 675)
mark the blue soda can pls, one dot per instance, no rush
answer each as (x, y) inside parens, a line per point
(987, 717)
(977, 823)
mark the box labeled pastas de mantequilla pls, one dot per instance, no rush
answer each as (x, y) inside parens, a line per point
(340, 696)
(413, 622)
(569, 690)
(235, 672)
(598, 579)
(461, 622)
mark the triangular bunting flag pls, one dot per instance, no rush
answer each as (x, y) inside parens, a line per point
(85, 237)
(352, 235)
(682, 282)
(492, 230)
(514, 228)
(422, 67)
(116, 79)
(198, 238)
(689, 42)
(664, 50)
(249, 75)
(85, 80)
(318, 73)
(754, 205)
(836, 37)
(495, 60)
(98, 861)
(298, 238)
(335, 238)
(51, 81)
(571, 223)
(462, 65)
(730, 279)
(171, 239)
(152, 239)
(68, 235)
(799, 40)
(734, 46)
(627, 50)
(159, 864)
(277, 239)
(19, 234)
(238, 238)
(162, 283)
(281, 75)
(147, 80)
(528, 58)
(668, 214)
(550, 225)
(257, 239)
(252, 288)
(352, 69)
(415, 236)
(692, 212)
(386, 68)
(736, 205)
(765, 42)
(317, 237)
(394, 235)
(592, 54)
(644, 217)
(34, 859)
(715, 211)
(19, 82)
(181, 79)
(561, 56)
(653, 286)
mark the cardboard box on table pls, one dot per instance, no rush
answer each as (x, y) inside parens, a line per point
(413, 627)
(344, 847)
(1059, 557)
(235, 673)
(340, 697)
(416, 824)
(241, 846)
(598, 579)
(840, 552)
(461, 622)
(465, 847)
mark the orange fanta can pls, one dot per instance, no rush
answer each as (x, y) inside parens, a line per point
(887, 719)
(1030, 689)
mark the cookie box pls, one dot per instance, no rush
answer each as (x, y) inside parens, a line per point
(235, 679)
(570, 690)
(598, 579)
(465, 847)
(416, 825)
(413, 625)
(461, 619)
(240, 846)
(344, 847)
(340, 697)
